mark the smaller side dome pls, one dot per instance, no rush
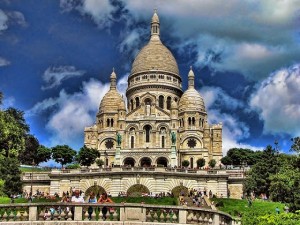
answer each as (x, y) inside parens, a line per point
(112, 100)
(191, 100)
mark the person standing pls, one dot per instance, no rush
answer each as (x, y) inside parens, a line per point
(104, 199)
(77, 198)
(92, 199)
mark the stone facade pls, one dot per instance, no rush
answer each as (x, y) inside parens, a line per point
(157, 109)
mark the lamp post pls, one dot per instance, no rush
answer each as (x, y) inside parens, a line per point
(243, 164)
(277, 165)
(31, 178)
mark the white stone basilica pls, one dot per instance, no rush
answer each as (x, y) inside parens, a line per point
(162, 125)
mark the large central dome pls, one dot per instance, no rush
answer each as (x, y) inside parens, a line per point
(154, 56)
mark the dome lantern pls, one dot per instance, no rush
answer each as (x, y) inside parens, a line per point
(113, 80)
(155, 26)
(191, 77)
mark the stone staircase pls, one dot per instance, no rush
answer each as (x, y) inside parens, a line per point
(189, 201)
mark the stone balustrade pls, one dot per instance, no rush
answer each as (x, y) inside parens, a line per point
(124, 213)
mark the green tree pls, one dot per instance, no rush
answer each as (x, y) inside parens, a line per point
(63, 154)
(87, 156)
(10, 173)
(185, 163)
(226, 161)
(200, 162)
(34, 153)
(99, 162)
(296, 144)
(13, 130)
(212, 163)
(259, 177)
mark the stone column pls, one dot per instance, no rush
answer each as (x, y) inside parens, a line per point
(78, 213)
(33, 213)
(182, 216)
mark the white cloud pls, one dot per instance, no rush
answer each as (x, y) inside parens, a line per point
(54, 76)
(99, 11)
(4, 62)
(250, 37)
(72, 112)
(277, 101)
(234, 131)
(3, 21)
(216, 97)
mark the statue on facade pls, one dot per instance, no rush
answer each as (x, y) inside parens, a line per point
(173, 138)
(119, 139)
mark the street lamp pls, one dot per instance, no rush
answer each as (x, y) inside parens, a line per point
(243, 164)
(31, 176)
(277, 165)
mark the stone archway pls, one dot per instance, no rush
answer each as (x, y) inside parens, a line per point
(129, 161)
(145, 162)
(98, 190)
(162, 161)
(180, 190)
(137, 190)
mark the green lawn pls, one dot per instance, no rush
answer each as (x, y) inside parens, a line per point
(25, 169)
(239, 206)
(147, 200)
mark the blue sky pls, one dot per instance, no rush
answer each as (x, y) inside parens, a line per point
(56, 58)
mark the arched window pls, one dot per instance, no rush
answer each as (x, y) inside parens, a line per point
(169, 103)
(192, 162)
(108, 122)
(147, 132)
(200, 123)
(137, 102)
(111, 122)
(163, 141)
(190, 121)
(193, 121)
(131, 104)
(180, 123)
(132, 142)
(161, 101)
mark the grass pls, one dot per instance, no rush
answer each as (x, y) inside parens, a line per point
(147, 200)
(237, 207)
(28, 170)
(6, 200)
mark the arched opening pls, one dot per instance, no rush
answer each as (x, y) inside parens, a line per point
(162, 141)
(162, 161)
(147, 101)
(192, 162)
(137, 102)
(161, 101)
(147, 129)
(193, 121)
(190, 121)
(145, 162)
(107, 122)
(129, 161)
(132, 142)
(111, 122)
(169, 103)
(137, 190)
(180, 191)
(98, 190)
(131, 104)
